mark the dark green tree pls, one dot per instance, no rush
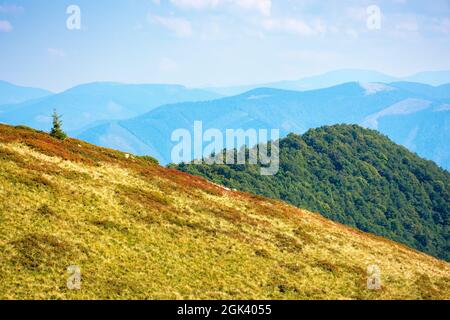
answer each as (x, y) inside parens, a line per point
(57, 131)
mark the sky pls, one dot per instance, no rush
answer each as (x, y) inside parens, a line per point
(200, 43)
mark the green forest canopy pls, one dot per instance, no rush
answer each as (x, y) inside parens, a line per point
(357, 177)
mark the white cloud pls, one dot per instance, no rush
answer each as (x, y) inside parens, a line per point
(263, 7)
(296, 26)
(5, 26)
(357, 14)
(56, 52)
(181, 27)
(196, 4)
(403, 26)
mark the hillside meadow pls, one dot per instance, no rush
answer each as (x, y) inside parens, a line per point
(140, 231)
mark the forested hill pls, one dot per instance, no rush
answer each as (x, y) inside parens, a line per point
(357, 177)
(139, 231)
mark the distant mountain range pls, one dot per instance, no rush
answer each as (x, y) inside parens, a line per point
(333, 78)
(90, 104)
(10, 93)
(140, 118)
(414, 115)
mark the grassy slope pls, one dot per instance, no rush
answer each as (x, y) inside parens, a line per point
(141, 231)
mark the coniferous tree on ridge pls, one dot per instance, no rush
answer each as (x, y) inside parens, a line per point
(57, 131)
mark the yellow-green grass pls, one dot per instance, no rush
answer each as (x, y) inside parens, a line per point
(141, 231)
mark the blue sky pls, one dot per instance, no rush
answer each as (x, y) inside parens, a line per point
(216, 42)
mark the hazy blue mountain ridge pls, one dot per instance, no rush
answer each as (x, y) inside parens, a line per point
(338, 77)
(86, 104)
(397, 111)
(141, 118)
(11, 93)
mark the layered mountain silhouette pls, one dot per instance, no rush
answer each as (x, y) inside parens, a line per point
(90, 104)
(414, 115)
(11, 93)
(141, 118)
(333, 78)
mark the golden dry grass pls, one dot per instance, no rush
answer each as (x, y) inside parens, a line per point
(140, 231)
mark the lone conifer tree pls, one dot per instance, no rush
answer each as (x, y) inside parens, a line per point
(57, 131)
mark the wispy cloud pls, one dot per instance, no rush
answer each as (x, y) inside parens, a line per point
(5, 26)
(296, 26)
(196, 4)
(181, 27)
(263, 7)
